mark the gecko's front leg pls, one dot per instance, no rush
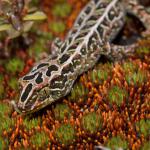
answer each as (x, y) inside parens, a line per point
(117, 52)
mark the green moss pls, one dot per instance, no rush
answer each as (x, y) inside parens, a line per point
(4, 109)
(117, 95)
(117, 142)
(62, 110)
(65, 134)
(40, 139)
(5, 123)
(92, 122)
(57, 27)
(145, 146)
(13, 83)
(30, 124)
(34, 3)
(137, 78)
(79, 91)
(14, 65)
(2, 90)
(3, 143)
(99, 75)
(130, 67)
(143, 126)
(1, 86)
(61, 10)
(143, 50)
(39, 46)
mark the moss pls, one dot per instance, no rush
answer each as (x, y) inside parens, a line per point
(30, 124)
(14, 65)
(39, 46)
(99, 75)
(79, 91)
(2, 90)
(4, 109)
(129, 67)
(61, 10)
(65, 134)
(61, 111)
(117, 95)
(92, 122)
(6, 123)
(57, 27)
(143, 50)
(1, 86)
(137, 78)
(117, 142)
(3, 143)
(143, 126)
(13, 83)
(34, 3)
(145, 146)
(40, 139)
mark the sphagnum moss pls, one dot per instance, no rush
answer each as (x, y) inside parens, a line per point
(13, 83)
(5, 109)
(137, 78)
(145, 146)
(1, 86)
(143, 127)
(117, 142)
(65, 134)
(61, 10)
(57, 27)
(40, 139)
(116, 95)
(30, 124)
(14, 65)
(100, 73)
(79, 91)
(92, 122)
(61, 111)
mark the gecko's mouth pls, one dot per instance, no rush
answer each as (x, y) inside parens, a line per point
(32, 106)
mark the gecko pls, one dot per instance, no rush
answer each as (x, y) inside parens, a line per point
(91, 36)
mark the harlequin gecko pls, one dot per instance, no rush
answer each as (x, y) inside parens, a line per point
(90, 37)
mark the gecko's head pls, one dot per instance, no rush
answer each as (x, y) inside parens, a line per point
(35, 91)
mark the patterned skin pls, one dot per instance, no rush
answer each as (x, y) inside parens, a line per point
(91, 36)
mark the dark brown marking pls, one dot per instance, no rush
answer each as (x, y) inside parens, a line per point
(112, 14)
(100, 31)
(105, 22)
(93, 18)
(64, 58)
(83, 51)
(67, 69)
(39, 78)
(88, 9)
(42, 65)
(26, 92)
(80, 20)
(58, 82)
(50, 69)
(30, 77)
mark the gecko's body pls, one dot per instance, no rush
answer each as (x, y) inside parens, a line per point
(90, 37)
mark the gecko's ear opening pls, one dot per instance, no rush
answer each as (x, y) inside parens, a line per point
(14, 105)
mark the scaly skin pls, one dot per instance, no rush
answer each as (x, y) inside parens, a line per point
(94, 29)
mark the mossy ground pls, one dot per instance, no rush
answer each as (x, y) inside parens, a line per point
(107, 104)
